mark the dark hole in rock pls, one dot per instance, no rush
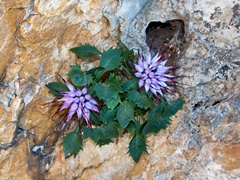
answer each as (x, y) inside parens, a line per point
(223, 69)
(216, 102)
(169, 34)
(197, 105)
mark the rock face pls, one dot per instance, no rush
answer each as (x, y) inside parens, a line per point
(203, 141)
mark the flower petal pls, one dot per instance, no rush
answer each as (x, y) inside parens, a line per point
(138, 74)
(144, 76)
(88, 97)
(140, 83)
(71, 112)
(140, 60)
(92, 101)
(69, 94)
(70, 87)
(163, 69)
(79, 113)
(156, 58)
(82, 99)
(86, 115)
(78, 93)
(92, 107)
(145, 65)
(163, 62)
(153, 91)
(146, 86)
(138, 68)
(84, 90)
(149, 57)
(163, 84)
(88, 105)
(64, 106)
(73, 108)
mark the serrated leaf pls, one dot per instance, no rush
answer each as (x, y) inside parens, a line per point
(94, 70)
(140, 100)
(75, 70)
(131, 128)
(110, 59)
(125, 114)
(78, 78)
(156, 126)
(95, 118)
(157, 111)
(107, 91)
(112, 103)
(85, 51)
(159, 117)
(103, 142)
(101, 134)
(97, 72)
(173, 107)
(56, 87)
(107, 115)
(72, 143)
(130, 84)
(137, 146)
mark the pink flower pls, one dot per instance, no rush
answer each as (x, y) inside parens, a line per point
(77, 102)
(153, 74)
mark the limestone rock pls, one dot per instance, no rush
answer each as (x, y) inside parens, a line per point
(203, 140)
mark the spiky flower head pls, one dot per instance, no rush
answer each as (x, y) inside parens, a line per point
(77, 102)
(153, 73)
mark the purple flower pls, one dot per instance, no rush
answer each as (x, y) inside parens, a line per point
(77, 102)
(153, 74)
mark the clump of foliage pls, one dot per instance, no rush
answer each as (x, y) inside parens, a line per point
(125, 93)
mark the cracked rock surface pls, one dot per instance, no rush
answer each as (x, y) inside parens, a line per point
(203, 141)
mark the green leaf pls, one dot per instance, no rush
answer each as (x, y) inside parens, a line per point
(157, 111)
(81, 80)
(85, 51)
(56, 87)
(130, 84)
(159, 117)
(133, 126)
(107, 91)
(111, 104)
(95, 118)
(72, 143)
(125, 114)
(173, 107)
(75, 70)
(127, 54)
(78, 78)
(156, 126)
(137, 146)
(104, 142)
(102, 134)
(107, 115)
(140, 100)
(110, 59)
(97, 72)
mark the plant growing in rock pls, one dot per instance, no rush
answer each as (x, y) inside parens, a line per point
(125, 93)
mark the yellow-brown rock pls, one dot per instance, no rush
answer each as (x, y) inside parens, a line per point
(228, 156)
(203, 140)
